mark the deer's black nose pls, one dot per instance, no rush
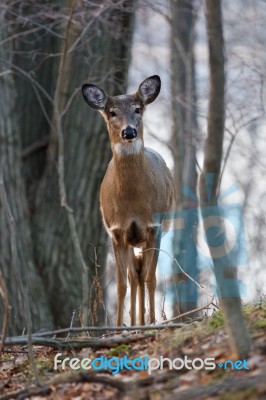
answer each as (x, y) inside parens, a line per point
(129, 133)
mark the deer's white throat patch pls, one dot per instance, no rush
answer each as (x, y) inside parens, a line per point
(130, 148)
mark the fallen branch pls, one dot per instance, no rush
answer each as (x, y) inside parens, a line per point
(71, 378)
(109, 329)
(41, 340)
(77, 344)
(82, 377)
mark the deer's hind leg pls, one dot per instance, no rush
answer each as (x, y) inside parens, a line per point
(151, 254)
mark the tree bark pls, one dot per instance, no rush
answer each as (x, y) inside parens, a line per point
(183, 147)
(16, 249)
(77, 42)
(239, 338)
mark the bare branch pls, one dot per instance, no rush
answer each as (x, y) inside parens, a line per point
(19, 34)
(196, 310)
(232, 141)
(182, 270)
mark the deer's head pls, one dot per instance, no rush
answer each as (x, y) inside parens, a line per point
(123, 114)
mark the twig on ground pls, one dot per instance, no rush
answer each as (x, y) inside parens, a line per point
(71, 324)
(108, 328)
(78, 343)
(190, 312)
(40, 339)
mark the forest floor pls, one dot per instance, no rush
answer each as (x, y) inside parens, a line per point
(184, 347)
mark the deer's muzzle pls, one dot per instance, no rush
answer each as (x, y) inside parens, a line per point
(129, 133)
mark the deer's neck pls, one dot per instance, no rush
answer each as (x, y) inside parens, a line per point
(128, 166)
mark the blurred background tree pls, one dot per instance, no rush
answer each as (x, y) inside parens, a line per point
(184, 133)
(48, 49)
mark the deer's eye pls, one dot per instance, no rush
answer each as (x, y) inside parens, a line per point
(137, 110)
(112, 114)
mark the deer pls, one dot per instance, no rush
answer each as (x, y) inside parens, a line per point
(137, 186)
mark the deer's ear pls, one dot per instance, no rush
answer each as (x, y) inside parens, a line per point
(94, 96)
(150, 88)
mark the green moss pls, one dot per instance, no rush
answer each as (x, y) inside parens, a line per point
(182, 337)
(256, 316)
(216, 321)
(6, 357)
(260, 323)
(246, 394)
(44, 365)
(247, 310)
(120, 350)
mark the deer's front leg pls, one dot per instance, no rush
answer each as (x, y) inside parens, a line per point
(133, 281)
(121, 257)
(150, 263)
(141, 295)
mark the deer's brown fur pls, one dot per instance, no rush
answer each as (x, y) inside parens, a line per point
(137, 185)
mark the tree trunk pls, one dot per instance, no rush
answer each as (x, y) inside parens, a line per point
(16, 249)
(210, 179)
(78, 42)
(183, 148)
